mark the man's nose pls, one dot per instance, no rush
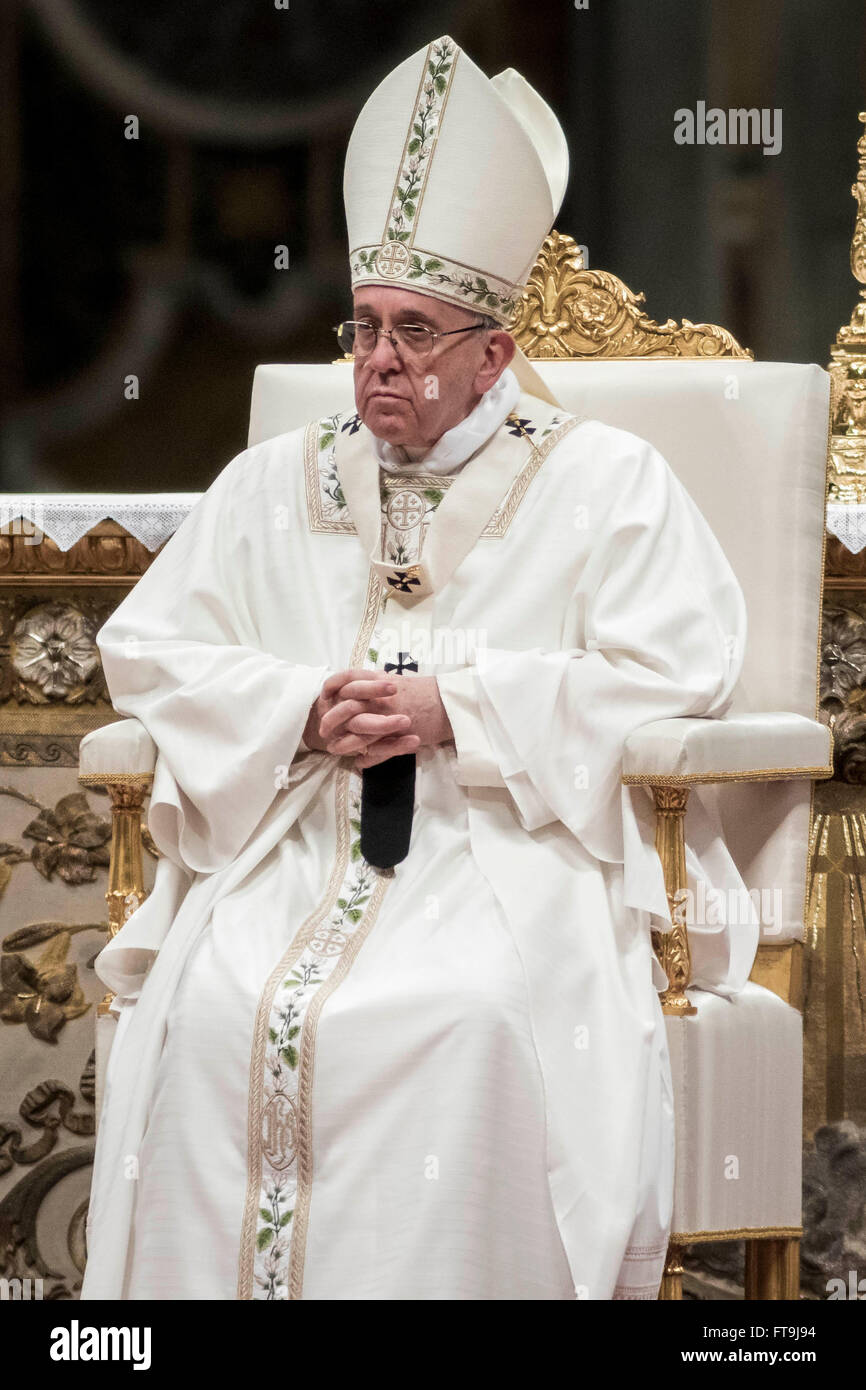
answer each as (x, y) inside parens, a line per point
(384, 356)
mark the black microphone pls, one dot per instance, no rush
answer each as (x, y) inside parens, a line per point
(387, 804)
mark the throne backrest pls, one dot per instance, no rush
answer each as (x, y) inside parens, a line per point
(747, 439)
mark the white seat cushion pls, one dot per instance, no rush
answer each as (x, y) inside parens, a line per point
(738, 744)
(120, 748)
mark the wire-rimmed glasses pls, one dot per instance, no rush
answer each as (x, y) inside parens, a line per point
(409, 339)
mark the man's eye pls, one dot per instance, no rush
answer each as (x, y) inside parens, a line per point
(413, 333)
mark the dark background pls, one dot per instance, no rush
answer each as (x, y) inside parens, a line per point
(155, 256)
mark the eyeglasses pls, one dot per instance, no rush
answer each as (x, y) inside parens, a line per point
(413, 339)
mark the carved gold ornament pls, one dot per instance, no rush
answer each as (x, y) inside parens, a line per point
(567, 311)
(54, 655)
(847, 471)
(44, 993)
(843, 689)
(70, 839)
(672, 947)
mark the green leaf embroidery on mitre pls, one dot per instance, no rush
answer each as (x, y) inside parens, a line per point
(499, 298)
(424, 127)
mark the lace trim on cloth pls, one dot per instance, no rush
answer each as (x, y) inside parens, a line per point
(66, 517)
(153, 518)
(847, 522)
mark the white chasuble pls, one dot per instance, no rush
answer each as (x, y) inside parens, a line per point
(448, 1080)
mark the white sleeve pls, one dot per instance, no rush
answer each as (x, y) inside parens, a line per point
(477, 761)
(181, 654)
(662, 620)
(485, 755)
(664, 625)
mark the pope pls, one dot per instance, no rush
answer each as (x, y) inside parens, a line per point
(388, 1024)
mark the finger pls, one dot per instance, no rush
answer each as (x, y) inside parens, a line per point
(383, 749)
(338, 715)
(355, 674)
(363, 761)
(378, 725)
(347, 744)
(346, 710)
(368, 690)
(344, 742)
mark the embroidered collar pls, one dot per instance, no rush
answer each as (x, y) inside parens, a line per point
(457, 445)
(459, 519)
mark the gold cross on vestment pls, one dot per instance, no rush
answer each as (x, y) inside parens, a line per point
(403, 579)
(515, 420)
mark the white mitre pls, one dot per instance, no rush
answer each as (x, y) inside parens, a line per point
(452, 182)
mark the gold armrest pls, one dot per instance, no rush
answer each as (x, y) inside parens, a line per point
(126, 890)
(670, 795)
(672, 947)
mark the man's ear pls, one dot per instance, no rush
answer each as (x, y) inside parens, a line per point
(498, 353)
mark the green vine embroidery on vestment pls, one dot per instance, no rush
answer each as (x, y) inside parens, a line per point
(289, 1008)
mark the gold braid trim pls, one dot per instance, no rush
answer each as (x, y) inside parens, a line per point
(684, 779)
(742, 1233)
(122, 779)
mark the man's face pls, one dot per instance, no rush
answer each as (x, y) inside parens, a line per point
(413, 401)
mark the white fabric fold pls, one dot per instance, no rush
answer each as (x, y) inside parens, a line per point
(190, 654)
(216, 774)
(665, 632)
(477, 762)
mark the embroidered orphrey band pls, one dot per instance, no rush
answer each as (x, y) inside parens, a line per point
(279, 1172)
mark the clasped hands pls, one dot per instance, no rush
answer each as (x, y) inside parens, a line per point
(376, 717)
